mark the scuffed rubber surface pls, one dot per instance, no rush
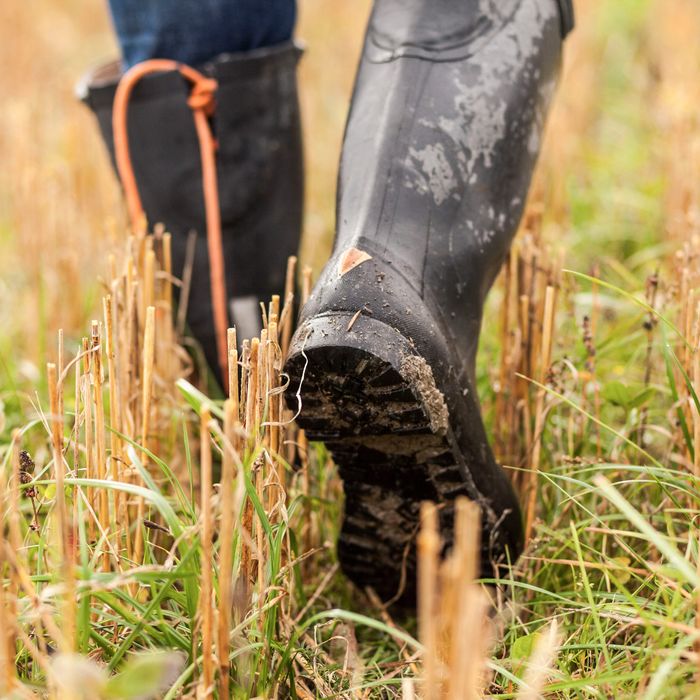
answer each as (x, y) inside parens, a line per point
(391, 451)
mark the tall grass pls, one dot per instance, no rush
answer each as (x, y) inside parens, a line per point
(120, 542)
(158, 542)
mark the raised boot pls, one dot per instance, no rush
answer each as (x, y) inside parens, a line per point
(443, 134)
(256, 125)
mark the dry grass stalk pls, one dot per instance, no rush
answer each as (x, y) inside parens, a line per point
(60, 364)
(166, 331)
(100, 447)
(251, 384)
(253, 389)
(256, 439)
(124, 381)
(227, 524)
(545, 362)
(468, 650)
(696, 643)
(286, 319)
(452, 608)
(232, 342)
(146, 395)
(590, 325)
(114, 401)
(149, 277)
(529, 270)
(275, 406)
(540, 664)
(62, 525)
(305, 284)
(245, 371)
(695, 374)
(7, 642)
(273, 314)
(13, 515)
(262, 389)
(7, 610)
(428, 545)
(86, 398)
(206, 610)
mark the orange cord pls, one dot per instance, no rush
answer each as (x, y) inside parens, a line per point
(201, 101)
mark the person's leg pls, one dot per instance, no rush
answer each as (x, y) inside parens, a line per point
(195, 31)
(442, 137)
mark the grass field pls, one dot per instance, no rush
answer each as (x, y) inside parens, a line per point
(156, 543)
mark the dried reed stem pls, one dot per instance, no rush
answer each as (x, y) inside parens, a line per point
(259, 465)
(696, 383)
(545, 362)
(428, 545)
(274, 401)
(696, 643)
(65, 553)
(7, 609)
(88, 420)
(206, 540)
(539, 665)
(167, 332)
(467, 616)
(305, 284)
(233, 367)
(251, 418)
(250, 428)
(114, 403)
(60, 364)
(149, 278)
(146, 395)
(13, 517)
(227, 507)
(286, 320)
(103, 510)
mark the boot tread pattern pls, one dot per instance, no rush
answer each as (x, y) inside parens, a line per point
(375, 423)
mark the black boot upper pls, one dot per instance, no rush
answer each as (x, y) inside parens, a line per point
(259, 161)
(443, 135)
(442, 138)
(440, 147)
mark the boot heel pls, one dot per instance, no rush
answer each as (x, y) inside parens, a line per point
(360, 376)
(361, 388)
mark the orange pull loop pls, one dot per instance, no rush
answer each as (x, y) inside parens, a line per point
(202, 103)
(202, 95)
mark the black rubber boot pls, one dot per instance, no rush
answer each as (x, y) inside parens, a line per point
(259, 161)
(442, 138)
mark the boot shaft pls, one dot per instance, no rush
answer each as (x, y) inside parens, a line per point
(439, 149)
(444, 132)
(257, 126)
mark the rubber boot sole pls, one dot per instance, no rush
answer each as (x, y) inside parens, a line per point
(360, 388)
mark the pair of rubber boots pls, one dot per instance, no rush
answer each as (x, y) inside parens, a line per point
(441, 141)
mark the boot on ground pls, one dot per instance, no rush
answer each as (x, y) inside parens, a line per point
(442, 138)
(256, 124)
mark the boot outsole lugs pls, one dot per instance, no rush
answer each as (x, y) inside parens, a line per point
(360, 388)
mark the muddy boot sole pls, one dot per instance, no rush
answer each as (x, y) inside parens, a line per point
(361, 388)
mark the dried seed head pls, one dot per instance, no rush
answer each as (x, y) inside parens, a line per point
(26, 463)
(26, 468)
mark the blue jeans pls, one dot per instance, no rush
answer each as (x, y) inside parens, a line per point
(194, 31)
